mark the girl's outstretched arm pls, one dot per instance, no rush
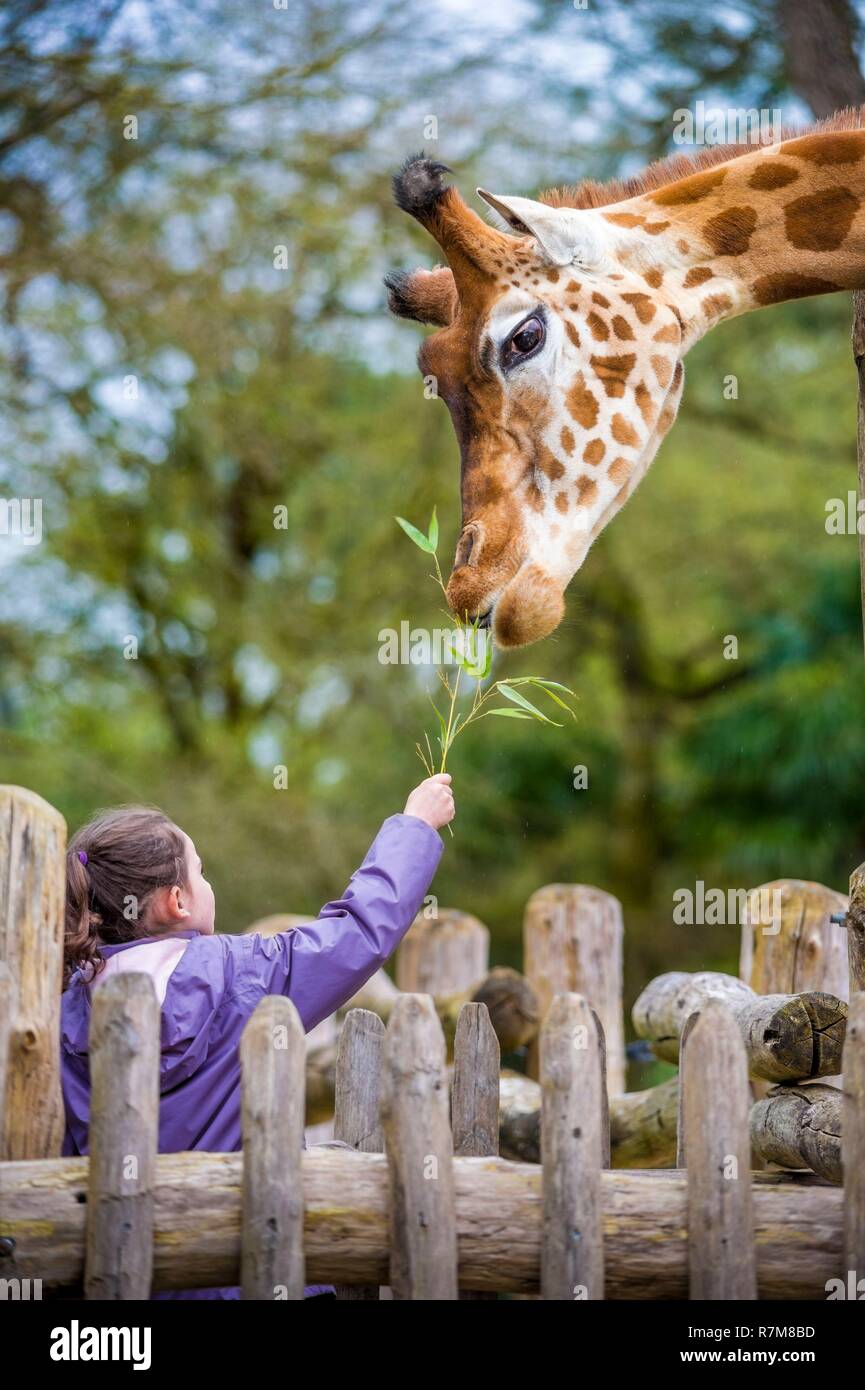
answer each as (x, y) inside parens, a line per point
(321, 965)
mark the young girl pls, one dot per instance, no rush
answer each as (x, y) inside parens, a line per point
(137, 899)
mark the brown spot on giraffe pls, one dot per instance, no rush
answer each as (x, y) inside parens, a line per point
(840, 148)
(697, 275)
(773, 289)
(549, 464)
(624, 432)
(820, 221)
(645, 403)
(773, 173)
(715, 305)
(668, 334)
(594, 452)
(621, 470)
(614, 371)
(654, 277)
(663, 370)
(642, 304)
(587, 491)
(597, 327)
(601, 300)
(567, 440)
(625, 219)
(690, 190)
(622, 328)
(729, 232)
(573, 287)
(581, 404)
(562, 501)
(655, 228)
(572, 333)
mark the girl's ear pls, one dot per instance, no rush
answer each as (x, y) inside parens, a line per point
(178, 911)
(166, 906)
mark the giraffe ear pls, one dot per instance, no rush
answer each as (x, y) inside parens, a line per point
(560, 233)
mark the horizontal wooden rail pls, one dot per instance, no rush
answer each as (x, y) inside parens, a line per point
(197, 1224)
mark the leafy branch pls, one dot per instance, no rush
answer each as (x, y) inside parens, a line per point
(473, 652)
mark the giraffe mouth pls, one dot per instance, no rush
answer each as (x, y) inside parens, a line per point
(530, 606)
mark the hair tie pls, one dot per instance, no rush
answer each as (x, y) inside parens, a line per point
(82, 856)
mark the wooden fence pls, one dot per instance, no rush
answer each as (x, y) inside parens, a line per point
(414, 1195)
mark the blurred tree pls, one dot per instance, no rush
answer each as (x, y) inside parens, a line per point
(171, 394)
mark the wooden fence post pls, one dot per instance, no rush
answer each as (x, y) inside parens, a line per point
(572, 942)
(273, 1062)
(475, 1095)
(681, 1160)
(572, 1248)
(443, 954)
(853, 1143)
(123, 1138)
(32, 900)
(357, 1104)
(7, 1015)
(423, 1241)
(789, 944)
(855, 923)
(721, 1253)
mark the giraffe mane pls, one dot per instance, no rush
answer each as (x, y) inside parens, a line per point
(590, 193)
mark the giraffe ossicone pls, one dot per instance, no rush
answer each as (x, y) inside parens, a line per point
(561, 333)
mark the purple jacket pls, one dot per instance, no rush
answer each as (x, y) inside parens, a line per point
(218, 980)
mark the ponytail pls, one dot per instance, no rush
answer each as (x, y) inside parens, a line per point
(114, 865)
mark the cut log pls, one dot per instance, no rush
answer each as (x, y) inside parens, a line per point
(197, 1201)
(643, 1127)
(642, 1123)
(572, 941)
(800, 1127)
(787, 1037)
(790, 944)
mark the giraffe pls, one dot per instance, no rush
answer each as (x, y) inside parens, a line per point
(561, 333)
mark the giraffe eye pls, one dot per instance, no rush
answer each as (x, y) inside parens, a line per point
(527, 339)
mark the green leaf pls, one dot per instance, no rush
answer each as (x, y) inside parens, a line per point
(541, 685)
(507, 714)
(477, 670)
(540, 680)
(442, 725)
(519, 699)
(415, 535)
(433, 531)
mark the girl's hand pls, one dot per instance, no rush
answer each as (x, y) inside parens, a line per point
(433, 801)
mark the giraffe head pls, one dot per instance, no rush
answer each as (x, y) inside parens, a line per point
(561, 366)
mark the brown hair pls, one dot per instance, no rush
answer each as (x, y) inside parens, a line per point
(114, 865)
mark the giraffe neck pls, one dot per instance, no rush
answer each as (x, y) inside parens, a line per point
(785, 221)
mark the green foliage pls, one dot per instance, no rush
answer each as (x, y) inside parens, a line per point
(235, 519)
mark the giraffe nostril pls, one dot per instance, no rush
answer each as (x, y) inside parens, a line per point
(468, 547)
